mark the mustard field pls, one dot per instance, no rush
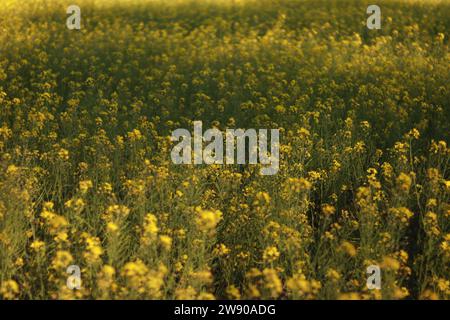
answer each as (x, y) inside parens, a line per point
(93, 207)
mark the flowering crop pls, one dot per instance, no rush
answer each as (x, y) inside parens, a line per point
(87, 180)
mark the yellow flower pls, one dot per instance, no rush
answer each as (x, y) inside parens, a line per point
(299, 184)
(62, 260)
(75, 204)
(150, 225)
(9, 290)
(336, 166)
(400, 293)
(206, 296)
(85, 185)
(207, 220)
(272, 282)
(178, 266)
(135, 187)
(54, 222)
(166, 241)
(108, 270)
(328, 210)
(135, 135)
(414, 133)
(348, 248)
(61, 237)
(188, 293)
(179, 193)
(116, 212)
(37, 245)
(221, 250)
(431, 203)
(443, 285)
(303, 288)
(63, 154)
(390, 263)
(429, 295)
(404, 182)
(93, 249)
(350, 296)
(447, 185)
(105, 281)
(106, 187)
(202, 276)
(12, 170)
(233, 292)
(19, 262)
(112, 227)
(150, 229)
(388, 171)
(271, 254)
(402, 213)
(134, 269)
(303, 132)
(333, 275)
(262, 198)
